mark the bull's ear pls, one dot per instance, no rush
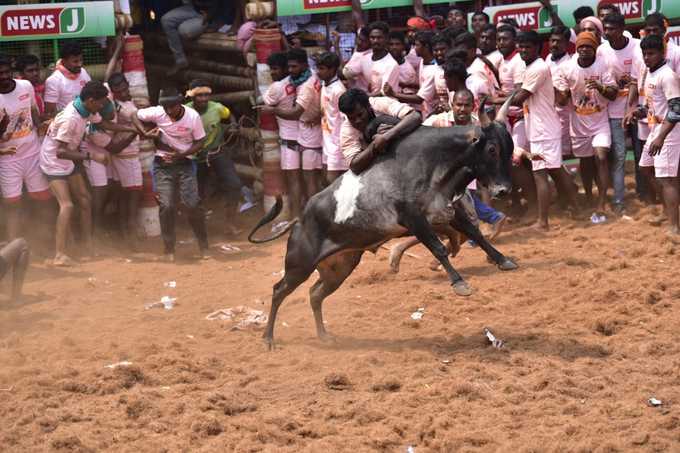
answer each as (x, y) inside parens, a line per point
(484, 119)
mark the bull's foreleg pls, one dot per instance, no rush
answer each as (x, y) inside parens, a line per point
(462, 223)
(421, 228)
(333, 271)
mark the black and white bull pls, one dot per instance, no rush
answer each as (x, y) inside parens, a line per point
(407, 191)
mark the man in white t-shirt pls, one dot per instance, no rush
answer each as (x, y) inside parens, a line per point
(662, 149)
(379, 68)
(67, 80)
(331, 121)
(19, 147)
(180, 136)
(558, 42)
(619, 52)
(587, 82)
(304, 167)
(408, 77)
(352, 68)
(543, 129)
(61, 162)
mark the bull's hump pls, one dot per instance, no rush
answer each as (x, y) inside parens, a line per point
(346, 196)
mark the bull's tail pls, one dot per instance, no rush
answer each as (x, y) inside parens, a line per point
(271, 215)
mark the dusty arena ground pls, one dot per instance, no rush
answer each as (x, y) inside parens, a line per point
(590, 321)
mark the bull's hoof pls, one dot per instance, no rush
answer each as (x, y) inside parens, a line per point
(462, 288)
(507, 265)
(327, 338)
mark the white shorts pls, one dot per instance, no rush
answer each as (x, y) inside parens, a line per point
(97, 174)
(585, 146)
(643, 130)
(334, 161)
(519, 136)
(127, 170)
(307, 158)
(665, 163)
(14, 174)
(550, 151)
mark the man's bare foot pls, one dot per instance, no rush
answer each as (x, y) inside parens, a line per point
(395, 258)
(435, 265)
(169, 257)
(230, 230)
(497, 227)
(62, 260)
(540, 226)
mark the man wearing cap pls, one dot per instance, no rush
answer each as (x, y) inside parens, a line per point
(588, 83)
(180, 136)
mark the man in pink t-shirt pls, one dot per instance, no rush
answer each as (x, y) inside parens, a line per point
(305, 171)
(19, 147)
(588, 83)
(180, 136)
(331, 122)
(537, 98)
(661, 154)
(379, 68)
(352, 69)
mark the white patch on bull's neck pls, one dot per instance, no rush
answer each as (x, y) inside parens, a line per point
(346, 196)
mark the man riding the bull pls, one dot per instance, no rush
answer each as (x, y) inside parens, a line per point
(358, 149)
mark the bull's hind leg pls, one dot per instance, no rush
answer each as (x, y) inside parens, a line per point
(421, 228)
(290, 281)
(462, 223)
(333, 271)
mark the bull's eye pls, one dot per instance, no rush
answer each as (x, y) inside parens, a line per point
(493, 151)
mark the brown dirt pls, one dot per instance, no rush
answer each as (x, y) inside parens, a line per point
(589, 324)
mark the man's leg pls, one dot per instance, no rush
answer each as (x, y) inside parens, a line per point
(15, 255)
(618, 163)
(129, 173)
(542, 197)
(291, 165)
(60, 190)
(164, 183)
(83, 198)
(669, 187)
(230, 184)
(565, 185)
(188, 192)
(489, 215)
(98, 179)
(312, 165)
(171, 22)
(602, 180)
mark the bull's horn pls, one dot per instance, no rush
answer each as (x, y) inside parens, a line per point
(484, 119)
(502, 114)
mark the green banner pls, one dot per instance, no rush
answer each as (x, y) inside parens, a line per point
(533, 16)
(297, 7)
(56, 20)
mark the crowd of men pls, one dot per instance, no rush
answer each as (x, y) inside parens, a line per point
(77, 141)
(578, 95)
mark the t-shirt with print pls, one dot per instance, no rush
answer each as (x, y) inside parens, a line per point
(541, 120)
(589, 108)
(20, 130)
(179, 134)
(380, 72)
(413, 59)
(433, 88)
(351, 139)
(281, 93)
(68, 128)
(564, 112)
(125, 110)
(620, 63)
(353, 69)
(661, 86)
(212, 119)
(61, 90)
(331, 121)
(510, 73)
(309, 98)
(483, 74)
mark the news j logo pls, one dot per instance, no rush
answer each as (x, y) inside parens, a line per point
(42, 21)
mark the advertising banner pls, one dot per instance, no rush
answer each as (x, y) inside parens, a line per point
(56, 20)
(297, 7)
(533, 16)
